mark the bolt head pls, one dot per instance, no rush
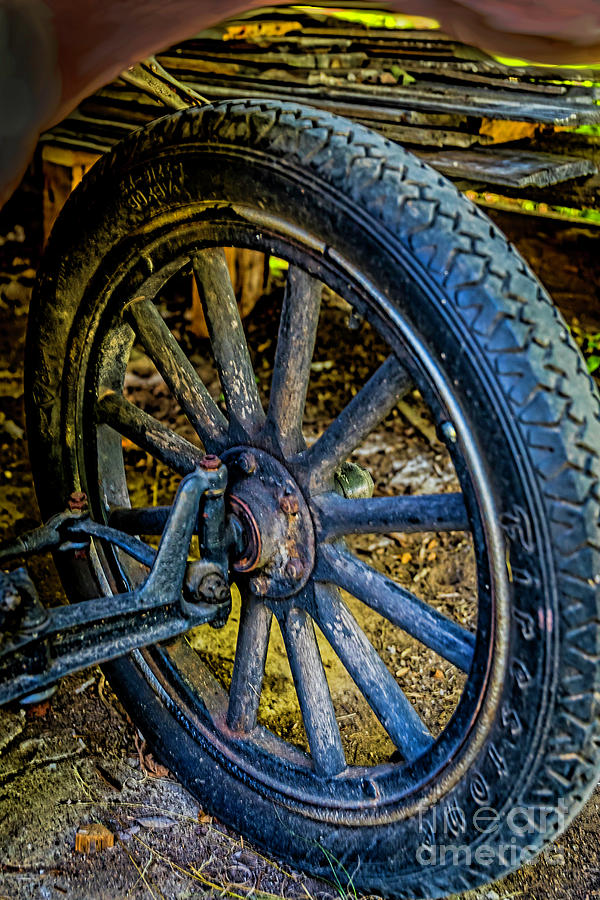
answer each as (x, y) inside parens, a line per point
(449, 432)
(288, 503)
(354, 321)
(247, 462)
(213, 587)
(77, 501)
(294, 569)
(210, 462)
(259, 585)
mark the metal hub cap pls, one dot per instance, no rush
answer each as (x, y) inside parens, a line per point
(278, 537)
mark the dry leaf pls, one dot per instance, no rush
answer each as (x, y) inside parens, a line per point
(147, 762)
(39, 710)
(503, 132)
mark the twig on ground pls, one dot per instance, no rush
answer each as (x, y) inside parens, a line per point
(415, 418)
(142, 874)
(83, 687)
(101, 683)
(191, 872)
(86, 787)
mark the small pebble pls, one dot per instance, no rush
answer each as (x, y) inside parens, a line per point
(128, 833)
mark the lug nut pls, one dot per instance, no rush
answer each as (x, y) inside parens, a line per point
(259, 585)
(449, 432)
(294, 569)
(210, 462)
(288, 503)
(247, 462)
(77, 501)
(213, 587)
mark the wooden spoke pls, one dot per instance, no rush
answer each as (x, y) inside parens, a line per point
(249, 665)
(180, 375)
(362, 414)
(368, 671)
(397, 604)
(148, 433)
(337, 516)
(139, 519)
(313, 692)
(295, 346)
(229, 343)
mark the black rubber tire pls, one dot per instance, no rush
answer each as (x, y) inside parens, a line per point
(528, 400)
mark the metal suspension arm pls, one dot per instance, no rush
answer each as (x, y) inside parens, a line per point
(47, 644)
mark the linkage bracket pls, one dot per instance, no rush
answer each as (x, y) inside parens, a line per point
(38, 645)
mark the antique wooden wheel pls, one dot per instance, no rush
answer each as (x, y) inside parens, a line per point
(462, 320)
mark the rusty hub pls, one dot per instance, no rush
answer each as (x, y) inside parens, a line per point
(278, 539)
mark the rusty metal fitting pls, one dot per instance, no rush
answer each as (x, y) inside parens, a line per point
(205, 581)
(259, 585)
(288, 503)
(77, 501)
(274, 526)
(213, 587)
(294, 569)
(246, 462)
(250, 553)
(210, 462)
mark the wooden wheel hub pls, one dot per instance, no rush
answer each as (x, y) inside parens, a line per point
(278, 535)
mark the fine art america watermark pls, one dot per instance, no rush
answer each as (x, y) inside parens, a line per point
(441, 833)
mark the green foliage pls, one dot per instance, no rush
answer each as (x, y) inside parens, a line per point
(593, 130)
(589, 344)
(346, 891)
(375, 19)
(277, 266)
(400, 75)
(584, 216)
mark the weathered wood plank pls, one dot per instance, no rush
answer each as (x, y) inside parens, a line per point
(425, 137)
(433, 96)
(509, 168)
(347, 68)
(344, 63)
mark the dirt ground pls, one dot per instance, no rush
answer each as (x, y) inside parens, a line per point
(78, 759)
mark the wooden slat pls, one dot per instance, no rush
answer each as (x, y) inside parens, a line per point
(434, 97)
(347, 68)
(509, 168)
(356, 61)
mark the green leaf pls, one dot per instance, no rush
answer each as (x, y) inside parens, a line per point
(399, 73)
